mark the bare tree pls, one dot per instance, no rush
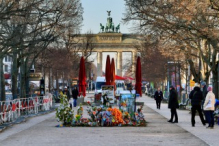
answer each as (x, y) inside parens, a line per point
(191, 26)
(33, 28)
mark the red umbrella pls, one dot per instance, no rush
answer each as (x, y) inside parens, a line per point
(113, 73)
(82, 78)
(138, 77)
(107, 71)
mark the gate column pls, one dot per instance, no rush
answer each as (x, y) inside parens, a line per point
(99, 63)
(119, 63)
(134, 54)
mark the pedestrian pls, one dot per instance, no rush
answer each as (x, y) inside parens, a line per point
(204, 89)
(158, 96)
(209, 108)
(66, 92)
(204, 92)
(173, 104)
(196, 97)
(75, 95)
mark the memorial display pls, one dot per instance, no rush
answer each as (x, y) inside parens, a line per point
(101, 116)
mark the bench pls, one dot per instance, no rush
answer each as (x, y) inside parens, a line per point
(183, 105)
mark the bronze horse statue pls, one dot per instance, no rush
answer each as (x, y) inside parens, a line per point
(101, 27)
(118, 28)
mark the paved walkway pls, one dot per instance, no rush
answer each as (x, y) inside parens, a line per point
(42, 131)
(210, 136)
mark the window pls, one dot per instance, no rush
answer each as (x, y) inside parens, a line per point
(6, 68)
(8, 59)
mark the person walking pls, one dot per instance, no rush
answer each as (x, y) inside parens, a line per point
(196, 97)
(158, 96)
(75, 95)
(209, 108)
(173, 104)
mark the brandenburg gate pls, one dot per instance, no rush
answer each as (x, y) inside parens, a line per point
(114, 42)
(110, 39)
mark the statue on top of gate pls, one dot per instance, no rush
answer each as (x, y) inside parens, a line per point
(109, 25)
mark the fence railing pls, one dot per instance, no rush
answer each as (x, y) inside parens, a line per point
(13, 109)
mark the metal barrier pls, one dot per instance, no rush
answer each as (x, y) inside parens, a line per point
(13, 109)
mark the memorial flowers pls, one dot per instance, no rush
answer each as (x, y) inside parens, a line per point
(98, 116)
(64, 113)
(117, 116)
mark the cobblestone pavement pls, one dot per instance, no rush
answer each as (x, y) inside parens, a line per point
(42, 131)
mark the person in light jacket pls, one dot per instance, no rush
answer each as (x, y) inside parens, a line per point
(209, 108)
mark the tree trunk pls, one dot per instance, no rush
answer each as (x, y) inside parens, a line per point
(2, 81)
(57, 81)
(215, 83)
(217, 88)
(52, 79)
(22, 81)
(179, 80)
(49, 80)
(175, 75)
(193, 71)
(14, 76)
(27, 84)
(27, 72)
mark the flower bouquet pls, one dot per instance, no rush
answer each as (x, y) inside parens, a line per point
(139, 116)
(116, 116)
(126, 117)
(64, 113)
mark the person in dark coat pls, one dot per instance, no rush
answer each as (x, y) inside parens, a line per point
(204, 92)
(173, 104)
(75, 95)
(196, 97)
(158, 96)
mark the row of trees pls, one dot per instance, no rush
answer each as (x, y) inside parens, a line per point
(33, 29)
(183, 30)
(63, 62)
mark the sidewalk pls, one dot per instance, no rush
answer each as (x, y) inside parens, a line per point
(42, 131)
(210, 136)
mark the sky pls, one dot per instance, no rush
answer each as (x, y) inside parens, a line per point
(95, 12)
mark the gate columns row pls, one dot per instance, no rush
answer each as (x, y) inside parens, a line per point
(118, 63)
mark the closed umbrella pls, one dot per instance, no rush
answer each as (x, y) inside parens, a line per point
(107, 71)
(113, 73)
(138, 77)
(82, 78)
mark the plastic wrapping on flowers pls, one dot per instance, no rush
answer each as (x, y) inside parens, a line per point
(64, 113)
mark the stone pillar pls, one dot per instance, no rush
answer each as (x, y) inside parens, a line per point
(134, 57)
(99, 63)
(119, 64)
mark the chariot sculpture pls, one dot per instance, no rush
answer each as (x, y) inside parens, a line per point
(109, 25)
